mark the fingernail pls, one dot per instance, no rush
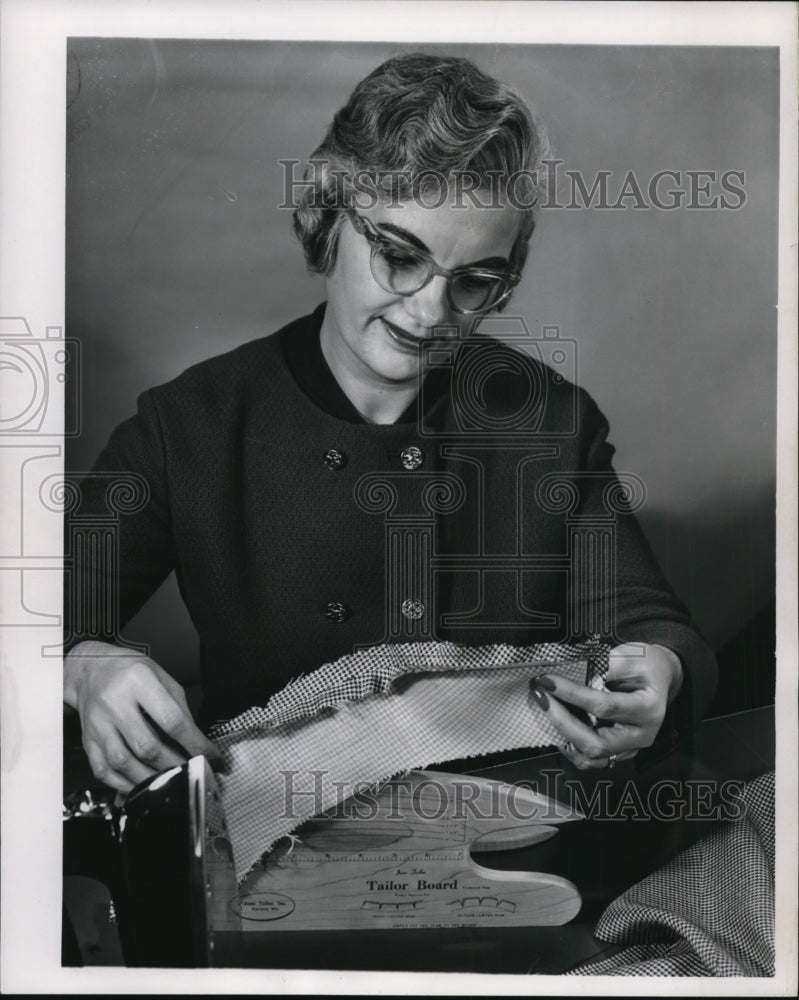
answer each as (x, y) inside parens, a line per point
(546, 682)
(539, 695)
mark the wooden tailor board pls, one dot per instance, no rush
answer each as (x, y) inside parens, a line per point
(400, 857)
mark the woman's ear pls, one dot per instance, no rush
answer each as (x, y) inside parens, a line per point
(331, 242)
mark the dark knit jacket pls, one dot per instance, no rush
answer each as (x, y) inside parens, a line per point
(298, 537)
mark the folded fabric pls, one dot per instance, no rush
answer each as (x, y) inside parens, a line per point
(709, 912)
(375, 714)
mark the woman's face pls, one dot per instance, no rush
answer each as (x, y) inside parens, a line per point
(370, 336)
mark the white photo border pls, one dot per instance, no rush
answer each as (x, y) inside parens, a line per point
(32, 152)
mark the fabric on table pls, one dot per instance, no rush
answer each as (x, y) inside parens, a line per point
(378, 713)
(372, 671)
(709, 912)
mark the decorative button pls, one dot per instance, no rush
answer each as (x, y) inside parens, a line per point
(412, 609)
(412, 457)
(337, 612)
(335, 459)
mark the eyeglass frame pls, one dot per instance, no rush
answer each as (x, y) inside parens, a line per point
(374, 238)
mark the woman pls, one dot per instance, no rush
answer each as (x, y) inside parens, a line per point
(276, 473)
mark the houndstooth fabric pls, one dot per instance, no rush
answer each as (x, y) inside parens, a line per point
(378, 713)
(709, 912)
(373, 671)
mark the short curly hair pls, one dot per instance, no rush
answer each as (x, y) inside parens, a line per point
(414, 120)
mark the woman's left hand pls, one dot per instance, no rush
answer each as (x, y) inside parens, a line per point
(641, 681)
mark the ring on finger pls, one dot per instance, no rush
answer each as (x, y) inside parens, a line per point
(568, 746)
(612, 761)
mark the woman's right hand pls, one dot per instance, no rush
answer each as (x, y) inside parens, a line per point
(134, 716)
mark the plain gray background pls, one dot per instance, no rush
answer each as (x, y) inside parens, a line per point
(177, 251)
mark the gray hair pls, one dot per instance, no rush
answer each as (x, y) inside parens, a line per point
(415, 119)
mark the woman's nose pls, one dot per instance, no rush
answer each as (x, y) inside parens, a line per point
(430, 306)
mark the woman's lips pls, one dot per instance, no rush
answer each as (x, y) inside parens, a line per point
(401, 337)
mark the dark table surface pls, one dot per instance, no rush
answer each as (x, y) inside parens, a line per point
(602, 856)
(615, 847)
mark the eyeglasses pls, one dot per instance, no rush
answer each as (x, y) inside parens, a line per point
(402, 269)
